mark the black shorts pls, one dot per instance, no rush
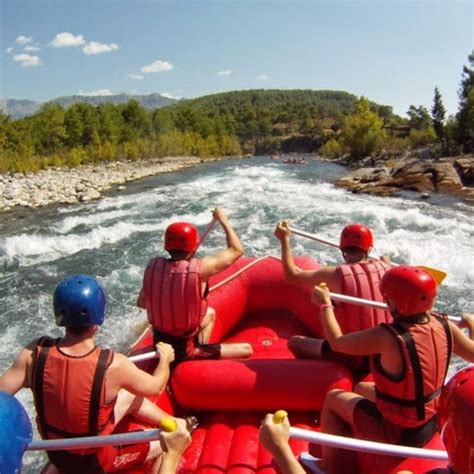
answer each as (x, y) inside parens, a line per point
(187, 348)
(371, 425)
(360, 365)
(106, 459)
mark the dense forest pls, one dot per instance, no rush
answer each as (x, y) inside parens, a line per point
(331, 123)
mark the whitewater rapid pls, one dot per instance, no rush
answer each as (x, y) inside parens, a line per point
(114, 238)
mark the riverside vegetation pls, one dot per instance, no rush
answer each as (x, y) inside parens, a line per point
(334, 124)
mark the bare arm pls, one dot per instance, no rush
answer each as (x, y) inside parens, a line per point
(173, 444)
(295, 274)
(369, 341)
(16, 377)
(125, 374)
(464, 346)
(275, 438)
(214, 264)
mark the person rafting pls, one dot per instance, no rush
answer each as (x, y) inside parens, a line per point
(409, 359)
(455, 422)
(275, 438)
(15, 433)
(358, 276)
(81, 389)
(174, 293)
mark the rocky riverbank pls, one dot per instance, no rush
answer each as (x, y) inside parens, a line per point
(81, 184)
(386, 177)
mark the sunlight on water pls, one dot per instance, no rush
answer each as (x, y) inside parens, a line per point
(115, 237)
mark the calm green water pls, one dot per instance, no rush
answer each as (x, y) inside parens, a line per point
(114, 238)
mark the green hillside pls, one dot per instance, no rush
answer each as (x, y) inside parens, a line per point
(268, 120)
(332, 123)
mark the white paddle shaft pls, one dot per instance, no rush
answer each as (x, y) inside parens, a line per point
(312, 237)
(95, 441)
(372, 304)
(143, 357)
(367, 446)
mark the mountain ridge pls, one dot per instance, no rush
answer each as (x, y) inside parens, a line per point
(19, 108)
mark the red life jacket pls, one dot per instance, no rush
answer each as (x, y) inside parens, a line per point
(362, 281)
(173, 296)
(69, 392)
(412, 399)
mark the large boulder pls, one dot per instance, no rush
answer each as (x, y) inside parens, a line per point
(465, 169)
(446, 178)
(449, 176)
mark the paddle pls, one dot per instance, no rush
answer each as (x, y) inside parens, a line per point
(372, 304)
(359, 444)
(167, 424)
(438, 275)
(206, 232)
(143, 357)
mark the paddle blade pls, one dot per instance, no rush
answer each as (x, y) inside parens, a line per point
(438, 275)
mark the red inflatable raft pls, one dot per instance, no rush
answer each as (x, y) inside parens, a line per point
(230, 397)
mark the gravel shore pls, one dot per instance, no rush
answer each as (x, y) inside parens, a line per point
(81, 184)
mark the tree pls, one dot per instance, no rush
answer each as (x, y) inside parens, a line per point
(48, 129)
(438, 113)
(90, 119)
(466, 106)
(74, 126)
(419, 117)
(4, 128)
(137, 122)
(363, 133)
(111, 123)
(162, 122)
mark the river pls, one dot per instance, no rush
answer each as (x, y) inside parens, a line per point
(113, 239)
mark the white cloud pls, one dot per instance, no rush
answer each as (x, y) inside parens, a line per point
(94, 47)
(225, 72)
(23, 39)
(32, 48)
(262, 77)
(157, 66)
(26, 60)
(169, 96)
(99, 92)
(9, 50)
(65, 39)
(137, 77)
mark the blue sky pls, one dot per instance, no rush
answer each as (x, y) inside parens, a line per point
(392, 51)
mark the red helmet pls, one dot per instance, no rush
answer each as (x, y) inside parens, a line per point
(356, 235)
(181, 236)
(455, 420)
(410, 290)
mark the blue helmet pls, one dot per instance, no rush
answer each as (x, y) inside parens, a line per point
(79, 301)
(15, 433)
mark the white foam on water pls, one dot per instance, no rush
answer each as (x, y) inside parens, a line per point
(34, 249)
(97, 218)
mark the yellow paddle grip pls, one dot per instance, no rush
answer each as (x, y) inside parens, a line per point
(322, 285)
(279, 416)
(168, 425)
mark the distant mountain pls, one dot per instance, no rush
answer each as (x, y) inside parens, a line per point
(149, 102)
(21, 108)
